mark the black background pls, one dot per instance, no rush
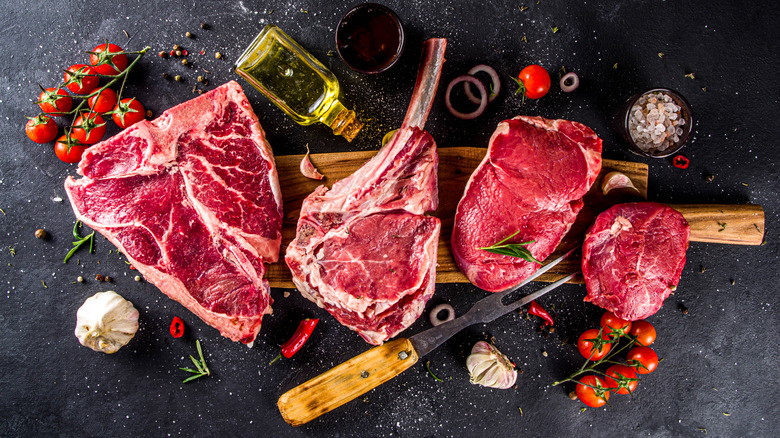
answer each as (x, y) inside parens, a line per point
(719, 370)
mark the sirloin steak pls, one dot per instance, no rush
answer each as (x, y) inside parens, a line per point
(633, 257)
(364, 250)
(531, 182)
(192, 200)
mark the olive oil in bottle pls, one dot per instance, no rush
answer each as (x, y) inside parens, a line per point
(296, 82)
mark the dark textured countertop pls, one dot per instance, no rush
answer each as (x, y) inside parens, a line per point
(718, 375)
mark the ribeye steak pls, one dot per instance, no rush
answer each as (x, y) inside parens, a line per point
(633, 257)
(531, 182)
(192, 200)
(364, 250)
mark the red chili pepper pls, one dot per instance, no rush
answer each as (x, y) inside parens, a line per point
(302, 333)
(536, 309)
(177, 327)
(681, 162)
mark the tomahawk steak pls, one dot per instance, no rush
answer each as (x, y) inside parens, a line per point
(530, 184)
(364, 250)
(192, 200)
(633, 257)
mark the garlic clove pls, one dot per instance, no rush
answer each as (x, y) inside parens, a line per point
(489, 367)
(307, 168)
(106, 322)
(616, 180)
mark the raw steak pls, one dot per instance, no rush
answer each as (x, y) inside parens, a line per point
(531, 182)
(633, 257)
(364, 251)
(192, 200)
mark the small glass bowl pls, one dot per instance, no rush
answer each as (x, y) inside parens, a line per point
(370, 38)
(624, 113)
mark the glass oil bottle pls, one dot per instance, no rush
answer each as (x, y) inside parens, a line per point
(296, 82)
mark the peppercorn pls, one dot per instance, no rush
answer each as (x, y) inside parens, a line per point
(185, 62)
(573, 395)
(218, 55)
(178, 78)
(188, 34)
(108, 279)
(137, 278)
(165, 76)
(80, 279)
(176, 47)
(162, 54)
(40, 233)
(201, 79)
(99, 277)
(204, 26)
(178, 53)
(149, 114)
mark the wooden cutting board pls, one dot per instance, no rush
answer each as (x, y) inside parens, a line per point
(744, 224)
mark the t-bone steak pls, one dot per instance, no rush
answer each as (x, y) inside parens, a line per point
(364, 250)
(531, 182)
(192, 200)
(633, 257)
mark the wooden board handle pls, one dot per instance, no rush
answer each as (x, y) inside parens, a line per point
(732, 224)
(346, 381)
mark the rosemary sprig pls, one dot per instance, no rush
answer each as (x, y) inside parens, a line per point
(520, 90)
(202, 370)
(512, 249)
(80, 241)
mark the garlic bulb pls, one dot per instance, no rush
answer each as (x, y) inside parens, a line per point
(106, 322)
(489, 367)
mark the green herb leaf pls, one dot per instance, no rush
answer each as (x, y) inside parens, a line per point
(428, 367)
(80, 241)
(512, 249)
(196, 376)
(197, 365)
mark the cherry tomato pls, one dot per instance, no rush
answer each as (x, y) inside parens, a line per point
(617, 372)
(108, 59)
(534, 81)
(54, 101)
(593, 397)
(643, 359)
(612, 323)
(644, 332)
(128, 112)
(69, 156)
(41, 129)
(103, 102)
(587, 348)
(81, 79)
(89, 129)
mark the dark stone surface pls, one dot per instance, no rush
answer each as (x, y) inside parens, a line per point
(719, 360)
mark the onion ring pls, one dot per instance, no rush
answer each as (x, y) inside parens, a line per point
(493, 77)
(482, 102)
(434, 315)
(569, 82)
